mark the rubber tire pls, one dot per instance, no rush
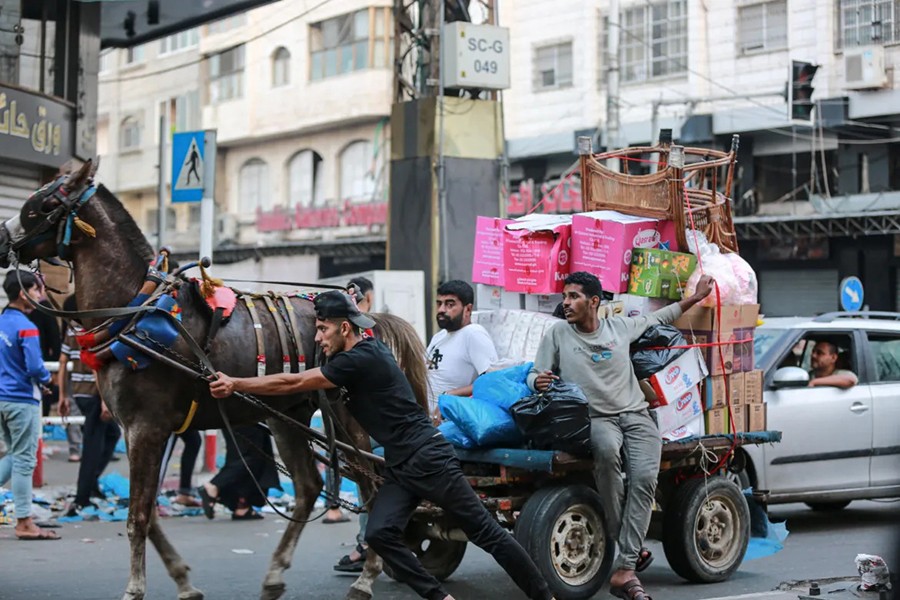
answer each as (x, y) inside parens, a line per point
(828, 506)
(441, 558)
(679, 523)
(534, 529)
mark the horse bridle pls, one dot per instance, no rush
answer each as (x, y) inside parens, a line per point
(62, 217)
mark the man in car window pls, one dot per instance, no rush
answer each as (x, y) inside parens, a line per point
(824, 368)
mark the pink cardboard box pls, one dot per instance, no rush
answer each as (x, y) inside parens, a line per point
(487, 266)
(679, 377)
(536, 254)
(602, 242)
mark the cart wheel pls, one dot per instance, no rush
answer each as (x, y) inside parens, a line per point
(439, 557)
(564, 531)
(706, 529)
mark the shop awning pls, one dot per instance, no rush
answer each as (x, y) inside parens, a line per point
(125, 23)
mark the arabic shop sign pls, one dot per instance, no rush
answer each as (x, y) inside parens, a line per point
(34, 128)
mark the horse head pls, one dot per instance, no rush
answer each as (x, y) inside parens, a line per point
(42, 229)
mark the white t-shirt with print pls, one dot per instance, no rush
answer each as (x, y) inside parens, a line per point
(456, 359)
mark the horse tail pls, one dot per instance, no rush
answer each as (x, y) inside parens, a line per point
(408, 350)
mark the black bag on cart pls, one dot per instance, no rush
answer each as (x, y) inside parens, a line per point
(556, 419)
(661, 337)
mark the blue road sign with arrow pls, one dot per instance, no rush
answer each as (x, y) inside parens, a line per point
(187, 166)
(851, 294)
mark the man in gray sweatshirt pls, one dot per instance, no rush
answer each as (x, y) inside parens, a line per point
(594, 354)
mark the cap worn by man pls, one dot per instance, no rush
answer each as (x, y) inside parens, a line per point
(337, 305)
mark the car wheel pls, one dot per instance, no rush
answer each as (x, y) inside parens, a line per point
(828, 506)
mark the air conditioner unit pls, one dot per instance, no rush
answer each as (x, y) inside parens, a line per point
(864, 68)
(226, 227)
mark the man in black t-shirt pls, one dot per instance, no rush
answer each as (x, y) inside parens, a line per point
(419, 462)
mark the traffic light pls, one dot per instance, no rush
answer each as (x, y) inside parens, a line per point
(801, 90)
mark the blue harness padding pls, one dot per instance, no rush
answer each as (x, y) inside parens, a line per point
(62, 249)
(157, 326)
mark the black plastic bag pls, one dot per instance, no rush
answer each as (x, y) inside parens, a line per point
(556, 419)
(648, 362)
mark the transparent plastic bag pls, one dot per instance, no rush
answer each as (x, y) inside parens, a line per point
(712, 262)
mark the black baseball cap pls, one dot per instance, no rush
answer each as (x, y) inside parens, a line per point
(335, 304)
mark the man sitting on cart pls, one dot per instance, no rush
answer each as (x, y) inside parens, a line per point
(594, 354)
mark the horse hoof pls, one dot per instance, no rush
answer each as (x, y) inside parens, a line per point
(191, 594)
(357, 594)
(133, 595)
(273, 591)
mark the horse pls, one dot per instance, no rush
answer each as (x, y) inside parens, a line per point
(110, 258)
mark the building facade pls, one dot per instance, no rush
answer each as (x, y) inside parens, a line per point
(816, 199)
(300, 100)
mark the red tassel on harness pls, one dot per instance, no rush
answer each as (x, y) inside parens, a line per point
(86, 339)
(90, 359)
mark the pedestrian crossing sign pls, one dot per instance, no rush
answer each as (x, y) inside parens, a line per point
(187, 166)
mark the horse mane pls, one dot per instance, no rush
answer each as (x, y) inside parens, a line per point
(125, 223)
(408, 349)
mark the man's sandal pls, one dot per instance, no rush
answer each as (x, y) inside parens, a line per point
(41, 535)
(348, 565)
(630, 590)
(645, 559)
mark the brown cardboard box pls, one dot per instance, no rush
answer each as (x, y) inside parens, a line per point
(714, 392)
(736, 387)
(717, 422)
(756, 417)
(753, 387)
(701, 325)
(739, 413)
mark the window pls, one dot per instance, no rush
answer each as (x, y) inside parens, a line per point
(182, 112)
(179, 41)
(134, 55)
(194, 215)
(130, 134)
(357, 172)
(348, 43)
(152, 224)
(107, 60)
(801, 353)
(886, 352)
(281, 67)
(866, 22)
(305, 180)
(762, 27)
(553, 66)
(227, 24)
(253, 186)
(226, 75)
(654, 41)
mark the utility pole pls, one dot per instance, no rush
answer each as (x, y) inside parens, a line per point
(612, 83)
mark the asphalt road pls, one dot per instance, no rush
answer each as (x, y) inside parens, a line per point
(229, 560)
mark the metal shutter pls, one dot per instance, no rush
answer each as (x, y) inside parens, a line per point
(17, 183)
(805, 293)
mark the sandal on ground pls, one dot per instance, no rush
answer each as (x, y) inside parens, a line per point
(348, 565)
(187, 500)
(341, 519)
(42, 534)
(630, 590)
(206, 501)
(250, 515)
(645, 559)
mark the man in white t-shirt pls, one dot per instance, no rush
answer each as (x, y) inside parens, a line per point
(461, 350)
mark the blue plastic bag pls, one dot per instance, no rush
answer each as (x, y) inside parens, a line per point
(483, 422)
(503, 388)
(455, 435)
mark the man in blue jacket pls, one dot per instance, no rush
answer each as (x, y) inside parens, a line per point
(22, 377)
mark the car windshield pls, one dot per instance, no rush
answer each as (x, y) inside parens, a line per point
(763, 341)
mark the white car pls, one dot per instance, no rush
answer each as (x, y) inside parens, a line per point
(838, 445)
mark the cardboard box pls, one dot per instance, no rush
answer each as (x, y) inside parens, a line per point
(736, 387)
(639, 306)
(680, 412)
(679, 377)
(611, 309)
(753, 387)
(739, 413)
(602, 243)
(714, 390)
(709, 325)
(487, 265)
(756, 417)
(696, 428)
(660, 273)
(717, 421)
(492, 297)
(536, 254)
(743, 333)
(542, 303)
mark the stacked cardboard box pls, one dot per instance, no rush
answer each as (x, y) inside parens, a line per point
(743, 393)
(660, 273)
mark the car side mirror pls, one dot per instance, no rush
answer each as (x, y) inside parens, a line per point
(790, 377)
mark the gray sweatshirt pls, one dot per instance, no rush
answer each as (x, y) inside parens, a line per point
(599, 362)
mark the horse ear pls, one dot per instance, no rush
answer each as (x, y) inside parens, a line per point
(80, 177)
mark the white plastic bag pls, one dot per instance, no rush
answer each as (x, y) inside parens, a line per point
(748, 287)
(874, 572)
(712, 262)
